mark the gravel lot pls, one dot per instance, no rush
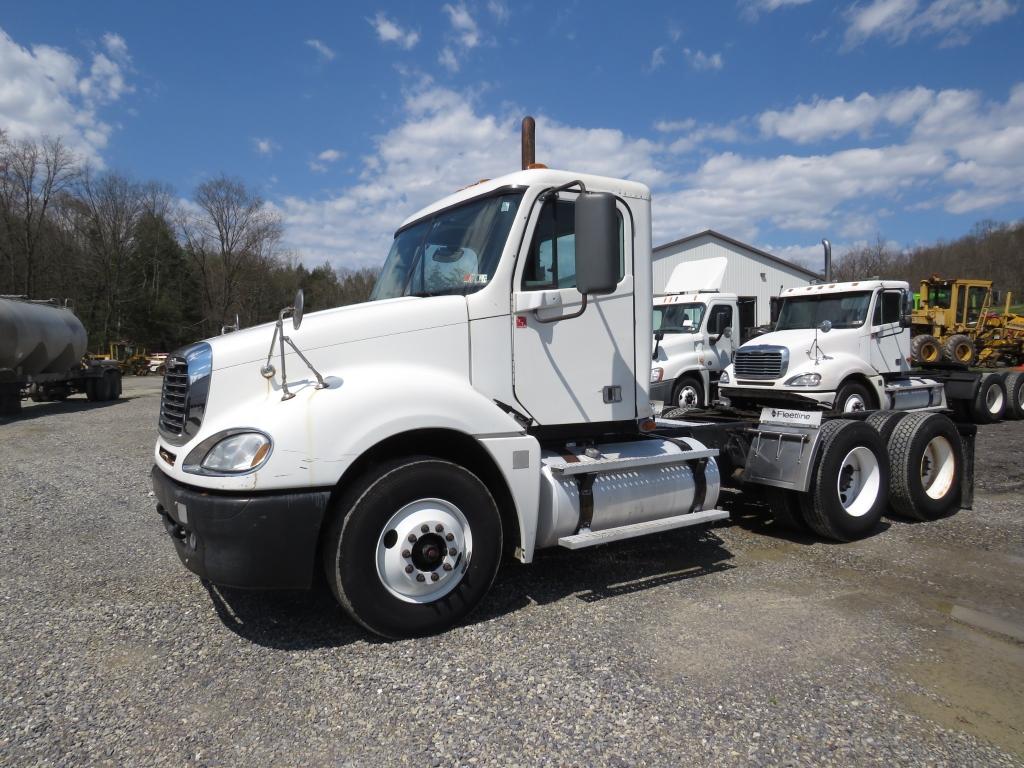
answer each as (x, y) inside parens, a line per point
(741, 645)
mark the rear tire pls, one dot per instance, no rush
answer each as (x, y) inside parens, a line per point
(376, 552)
(959, 348)
(925, 349)
(927, 457)
(884, 422)
(1014, 385)
(989, 402)
(850, 482)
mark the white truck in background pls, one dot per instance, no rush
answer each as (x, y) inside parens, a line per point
(694, 335)
(845, 347)
(518, 312)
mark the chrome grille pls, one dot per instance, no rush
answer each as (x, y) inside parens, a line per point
(174, 399)
(185, 391)
(761, 362)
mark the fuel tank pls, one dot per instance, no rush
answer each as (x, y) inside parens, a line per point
(38, 337)
(626, 496)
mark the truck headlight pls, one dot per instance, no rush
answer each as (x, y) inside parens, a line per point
(657, 374)
(232, 452)
(724, 378)
(804, 380)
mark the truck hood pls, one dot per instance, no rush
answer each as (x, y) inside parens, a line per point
(342, 325)
(800, 340)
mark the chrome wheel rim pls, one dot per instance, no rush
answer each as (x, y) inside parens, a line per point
(853, 403)
(424, 550)
(994, 399)
(859, 481)
(688, 397)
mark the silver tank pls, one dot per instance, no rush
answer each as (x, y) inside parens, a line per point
(39, 338)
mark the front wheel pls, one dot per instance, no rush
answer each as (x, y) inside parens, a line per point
(853, 397)
(688, 393)
(414, 547)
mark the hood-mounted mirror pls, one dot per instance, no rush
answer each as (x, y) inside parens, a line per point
(297, 308)
(268, 371)
(826, 326)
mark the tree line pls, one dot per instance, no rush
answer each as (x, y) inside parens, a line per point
(991, 251)
(140, 265)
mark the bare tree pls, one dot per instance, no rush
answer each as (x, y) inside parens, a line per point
(32, 175)
(229, 233)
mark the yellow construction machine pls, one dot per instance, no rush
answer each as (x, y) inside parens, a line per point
(131, 359)
(956, 322)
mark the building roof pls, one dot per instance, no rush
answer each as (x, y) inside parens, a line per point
(712, 233)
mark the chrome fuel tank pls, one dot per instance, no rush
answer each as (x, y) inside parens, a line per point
(38, 337)
(625, 496)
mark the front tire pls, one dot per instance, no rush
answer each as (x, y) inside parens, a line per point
(414, 547)
(853, 397)
(688, 393)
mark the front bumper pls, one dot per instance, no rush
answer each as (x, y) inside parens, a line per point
(255, 540)
(662, 391)
(776, 396)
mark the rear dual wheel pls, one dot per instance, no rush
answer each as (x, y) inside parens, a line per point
(926, 456)
(1013, 384)
(990, 400)
(925, 349)
(959, 348)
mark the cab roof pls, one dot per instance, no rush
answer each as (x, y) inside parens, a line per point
(535, 177)
(856, 285)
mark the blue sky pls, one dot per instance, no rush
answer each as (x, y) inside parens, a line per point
(776, 121)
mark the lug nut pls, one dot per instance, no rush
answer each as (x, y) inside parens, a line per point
(447, 566)
(420, 577)
(453, 551)
(424, 528)
(438, 528)
(412, 538)
(434, 577)
(450, 537)
(408, 569)
(406, 553)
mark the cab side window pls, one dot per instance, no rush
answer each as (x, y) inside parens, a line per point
(551, 259)
(887, 308)
(719, 319)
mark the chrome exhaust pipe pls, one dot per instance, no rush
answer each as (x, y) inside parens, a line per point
(828, 260)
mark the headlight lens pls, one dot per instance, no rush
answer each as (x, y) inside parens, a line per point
(804, 380)
(657, 374)
(724, 378)
(231, 452)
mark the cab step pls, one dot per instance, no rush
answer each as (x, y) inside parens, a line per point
(593, 538)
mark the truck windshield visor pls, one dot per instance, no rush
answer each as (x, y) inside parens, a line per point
(843, 310)
(454, 251)
(678, 318)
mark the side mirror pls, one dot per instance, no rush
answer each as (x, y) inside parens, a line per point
(727, 332)
(597, 243)
(297, 308)
(826, 326)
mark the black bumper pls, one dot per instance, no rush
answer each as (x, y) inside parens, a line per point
(663, 391)
(257, 541)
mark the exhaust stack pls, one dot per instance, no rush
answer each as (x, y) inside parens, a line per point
(529, 142)
(828, 260)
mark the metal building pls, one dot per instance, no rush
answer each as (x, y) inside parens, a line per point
(756, 276)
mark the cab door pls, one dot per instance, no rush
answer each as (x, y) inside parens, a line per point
(889, 344)
(719, 354)
(571, 364)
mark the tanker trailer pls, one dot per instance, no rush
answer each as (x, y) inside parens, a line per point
(41, 348)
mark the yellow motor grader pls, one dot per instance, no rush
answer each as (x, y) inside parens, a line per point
(956, 322)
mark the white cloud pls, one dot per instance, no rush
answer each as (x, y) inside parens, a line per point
(321, 48)
(42, 92)
(464, 25)
(389, 31)
(700, 60)
(265, 147)
(499, 10)
(447, 59)
(325, 158)
(657, 58)
(837, 117)
(752, 9)
(897, 20)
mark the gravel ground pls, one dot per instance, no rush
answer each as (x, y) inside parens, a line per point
(740, 645)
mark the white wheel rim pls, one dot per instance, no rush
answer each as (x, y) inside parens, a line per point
(688, 397)
(938, 467)
(421, 566)
(994, 399)
(853, 403)
(858, 482)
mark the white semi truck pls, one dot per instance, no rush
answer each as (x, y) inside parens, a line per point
(491, 399)
(693, 335)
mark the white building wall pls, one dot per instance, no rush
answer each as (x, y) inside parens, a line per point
(747, 274)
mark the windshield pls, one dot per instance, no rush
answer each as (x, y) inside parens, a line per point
(453, 251)
(843, 310)
(672, 318)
